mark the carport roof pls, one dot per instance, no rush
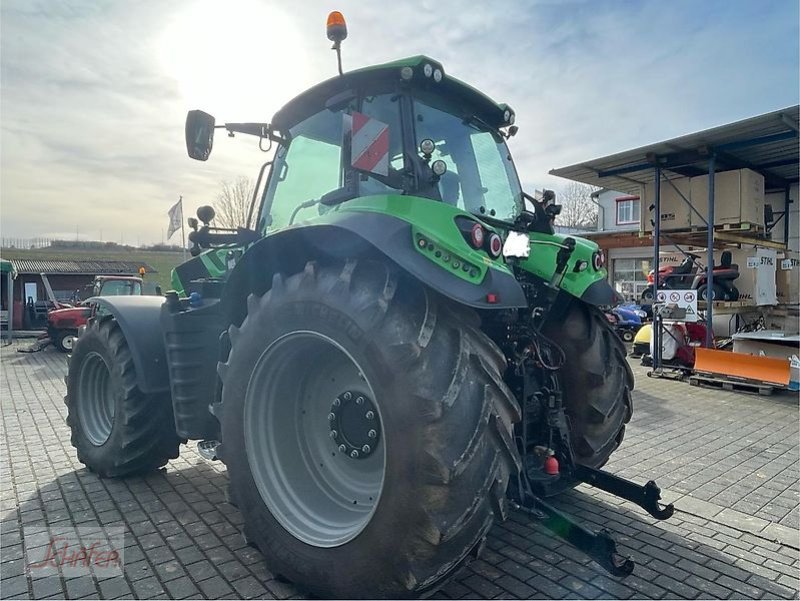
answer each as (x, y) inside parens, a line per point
(79, 266)
(766, 143)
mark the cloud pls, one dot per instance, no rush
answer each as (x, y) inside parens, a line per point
(94, 93)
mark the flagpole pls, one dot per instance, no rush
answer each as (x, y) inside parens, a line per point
(183, 231)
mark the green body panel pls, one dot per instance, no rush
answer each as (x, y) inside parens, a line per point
(435, 221)
(436, 236)
(212, 262)
(542, 262)
(431, 221)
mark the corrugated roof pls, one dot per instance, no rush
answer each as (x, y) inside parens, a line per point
(767, 143)
(80, 266)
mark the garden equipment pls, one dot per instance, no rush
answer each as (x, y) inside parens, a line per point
(691, 275)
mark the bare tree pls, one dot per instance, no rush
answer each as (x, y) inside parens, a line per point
(233, 202)
(578, 209)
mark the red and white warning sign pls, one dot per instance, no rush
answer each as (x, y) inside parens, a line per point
(369, 146)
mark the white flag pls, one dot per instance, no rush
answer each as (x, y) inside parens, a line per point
(175, 218)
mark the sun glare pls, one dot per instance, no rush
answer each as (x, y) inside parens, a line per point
(231, 59)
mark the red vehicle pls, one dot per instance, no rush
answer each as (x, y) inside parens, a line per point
(63, 324)
(690, 275)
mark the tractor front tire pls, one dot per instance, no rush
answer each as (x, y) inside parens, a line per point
(64, 340)
(367, 431)
(596, 383)
(117, 430)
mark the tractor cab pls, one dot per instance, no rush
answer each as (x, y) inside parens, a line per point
(399, 128)
(115, 285)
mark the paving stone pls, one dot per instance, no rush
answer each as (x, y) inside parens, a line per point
(181, 588)
(249, 588)
(732, 473)
(772, 587)
(216, 587)
(740, 587)
(16, 585)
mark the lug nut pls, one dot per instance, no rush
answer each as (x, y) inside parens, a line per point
(360, 400)
(334, 434)
(372, 434)
(354, 454)
(370, 415)
(347, 396)
(342, 448)
(331, 416)
(336, 402)
(366, 448)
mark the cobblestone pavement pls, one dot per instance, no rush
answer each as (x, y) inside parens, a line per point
(729, 461)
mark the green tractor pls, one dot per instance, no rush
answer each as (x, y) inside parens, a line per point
(395, 352)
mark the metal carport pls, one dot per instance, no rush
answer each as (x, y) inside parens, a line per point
(767, 144)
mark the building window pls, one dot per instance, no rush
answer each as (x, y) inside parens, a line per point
(627, 210)
(629, 277)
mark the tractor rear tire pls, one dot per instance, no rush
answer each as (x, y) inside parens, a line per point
(117, 430)
(399, 515)
(596, 383)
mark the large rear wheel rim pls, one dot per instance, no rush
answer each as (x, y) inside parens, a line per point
(317, 460)
(96, 401)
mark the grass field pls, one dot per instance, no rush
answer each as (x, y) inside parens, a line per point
(162, 262)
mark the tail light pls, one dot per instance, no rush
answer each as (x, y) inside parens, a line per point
(495, 245)
(476, 236)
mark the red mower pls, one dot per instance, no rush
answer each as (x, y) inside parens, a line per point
(691, 275)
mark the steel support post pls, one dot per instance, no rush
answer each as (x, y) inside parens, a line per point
(656, 251)
(786, 202)
(712, 167)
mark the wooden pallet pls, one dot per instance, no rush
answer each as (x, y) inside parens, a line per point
(723, 383)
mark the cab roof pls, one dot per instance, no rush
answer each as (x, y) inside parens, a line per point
(386, 76)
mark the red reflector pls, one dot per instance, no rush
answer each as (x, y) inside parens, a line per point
(491, 298)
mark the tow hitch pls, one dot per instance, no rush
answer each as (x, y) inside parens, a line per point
(541, 478)
(597, 545)
(647, 497)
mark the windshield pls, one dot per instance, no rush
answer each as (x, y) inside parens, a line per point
(120, 288)
(480, 174)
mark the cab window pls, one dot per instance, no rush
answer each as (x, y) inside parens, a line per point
(311, 167)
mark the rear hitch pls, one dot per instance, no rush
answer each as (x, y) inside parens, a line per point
(597, 545)
(647, 497)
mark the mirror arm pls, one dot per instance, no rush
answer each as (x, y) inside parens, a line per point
(262, 130)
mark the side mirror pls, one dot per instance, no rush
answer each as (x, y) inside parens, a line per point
(199, 134)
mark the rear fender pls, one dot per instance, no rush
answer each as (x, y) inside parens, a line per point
(353, 235)
(138, 318)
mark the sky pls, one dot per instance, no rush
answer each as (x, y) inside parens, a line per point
(93, 93)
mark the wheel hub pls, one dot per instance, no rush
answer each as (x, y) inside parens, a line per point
(354, 424)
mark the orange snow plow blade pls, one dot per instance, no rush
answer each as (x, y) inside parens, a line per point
(739, 365)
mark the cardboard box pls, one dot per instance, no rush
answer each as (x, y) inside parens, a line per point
(738, 198)
(674, 210)
(787, 277)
